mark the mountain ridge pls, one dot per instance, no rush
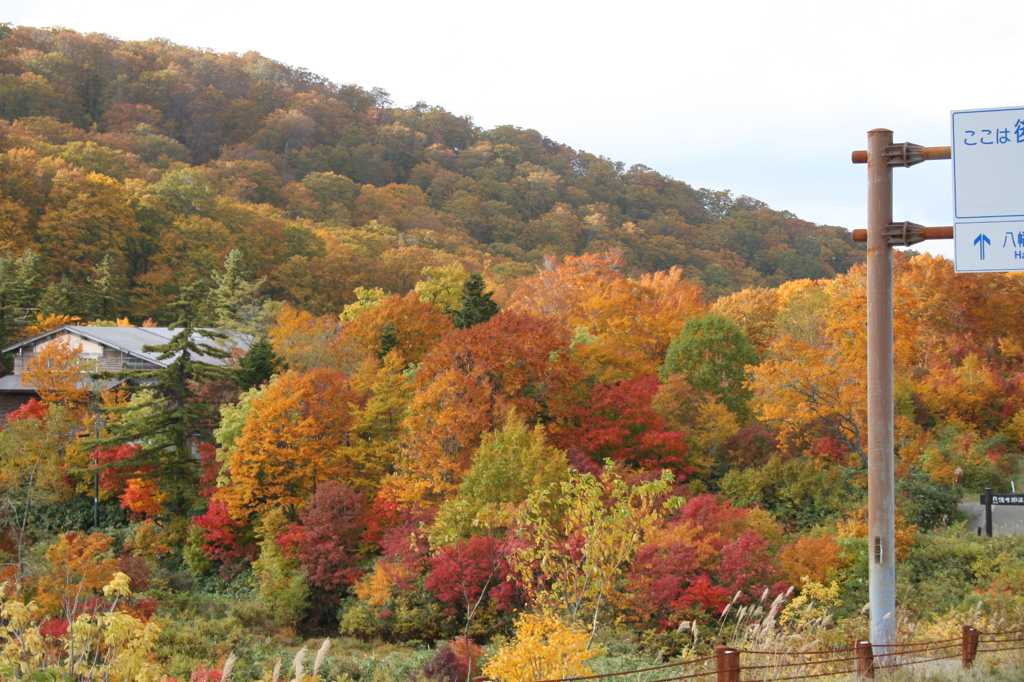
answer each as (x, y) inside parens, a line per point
(165, 157)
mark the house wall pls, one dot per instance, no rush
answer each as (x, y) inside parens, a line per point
(110, 361)
(12, 401)
(86, 348)
(20, 359)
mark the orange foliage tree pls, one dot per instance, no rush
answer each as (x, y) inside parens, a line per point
(814, 558)
(289, 443)
(81, 565)
(812, 383)
(465, 386)
(406, 323)
(624, 326)
(45, 323)
(305, 341)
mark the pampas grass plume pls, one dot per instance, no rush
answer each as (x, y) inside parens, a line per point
(297, 664)
(225, 675)
(321, 655)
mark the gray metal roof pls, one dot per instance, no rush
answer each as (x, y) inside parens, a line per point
(131, 340)
(12, 384)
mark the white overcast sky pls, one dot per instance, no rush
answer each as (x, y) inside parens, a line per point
(763, 98)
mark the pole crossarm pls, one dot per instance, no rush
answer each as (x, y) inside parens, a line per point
(906, 154)
(907, 234)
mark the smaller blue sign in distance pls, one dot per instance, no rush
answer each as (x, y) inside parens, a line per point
(989, 246)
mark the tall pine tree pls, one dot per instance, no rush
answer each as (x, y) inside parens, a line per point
(166, 417)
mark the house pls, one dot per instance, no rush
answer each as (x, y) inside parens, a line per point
(112, 348)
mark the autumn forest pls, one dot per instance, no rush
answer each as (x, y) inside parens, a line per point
(483, 404)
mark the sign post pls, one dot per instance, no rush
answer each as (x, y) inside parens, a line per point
(989, 499)
(882, 235)
(988, 153)
(881, 480)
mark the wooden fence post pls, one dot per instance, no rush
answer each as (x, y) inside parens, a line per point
(969, 646)
(865, 658)
(727, 663)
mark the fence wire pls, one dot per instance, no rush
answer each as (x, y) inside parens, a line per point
(902, 657)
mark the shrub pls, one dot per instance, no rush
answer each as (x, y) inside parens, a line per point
(544, 648)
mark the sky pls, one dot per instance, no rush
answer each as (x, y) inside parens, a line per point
(766, 99)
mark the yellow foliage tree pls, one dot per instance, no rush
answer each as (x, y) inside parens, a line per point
(855, 525)
(805, 392)
(58, 373)
(281, 585)
(583, 532)
(713, 425)
(544, 648)
(305, 341)
(812, 607)
(81, 564)
(754, 311)
(33, 471)
(108, 645)
(45, 323)
(813, 382)
(378, 423)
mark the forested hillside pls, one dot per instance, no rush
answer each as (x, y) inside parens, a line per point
(144, 163)
(502, 403)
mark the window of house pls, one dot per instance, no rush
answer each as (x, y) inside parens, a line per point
(132, 362)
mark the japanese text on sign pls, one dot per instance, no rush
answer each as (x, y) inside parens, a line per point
(997, 136)
(988, 163)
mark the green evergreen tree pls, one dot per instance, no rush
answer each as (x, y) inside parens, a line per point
(59, 298)
(234, 301)
(712, 353)
(169, 419)
(20, 288)
(388, 340)
(258, 364)
(105, 295)
(477, 305)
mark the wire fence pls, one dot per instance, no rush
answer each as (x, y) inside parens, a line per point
(862, 659)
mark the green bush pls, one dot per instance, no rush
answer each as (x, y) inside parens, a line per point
(76, 513)
(947, 569)
(925, 503)
(183, 645)
(798, 491)
(413, 616)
